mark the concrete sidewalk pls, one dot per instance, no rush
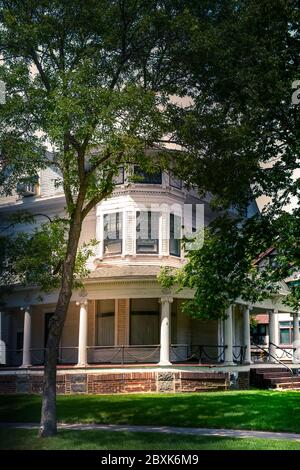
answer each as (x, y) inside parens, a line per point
(233, 433)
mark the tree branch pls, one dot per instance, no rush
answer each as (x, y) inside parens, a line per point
(38, 65)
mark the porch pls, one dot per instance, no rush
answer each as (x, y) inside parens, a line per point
(124, 332)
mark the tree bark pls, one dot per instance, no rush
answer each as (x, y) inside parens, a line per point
(48, 425)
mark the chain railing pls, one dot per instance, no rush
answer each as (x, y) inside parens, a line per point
(206, 353)
(129, 354)
(124, 354)
(238, 353)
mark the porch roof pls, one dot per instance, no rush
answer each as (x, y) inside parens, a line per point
(125, 271)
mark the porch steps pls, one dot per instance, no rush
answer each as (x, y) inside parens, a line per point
(274, 378)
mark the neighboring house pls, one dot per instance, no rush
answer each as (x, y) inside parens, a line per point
(124, 326)
(284, 324)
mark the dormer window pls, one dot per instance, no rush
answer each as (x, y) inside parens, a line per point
(147, 232)
(112, 237)
(147, 178)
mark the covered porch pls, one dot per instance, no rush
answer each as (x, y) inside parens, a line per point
(125, 331)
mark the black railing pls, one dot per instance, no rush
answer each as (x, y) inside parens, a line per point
(238, 353)
(129, 354)
(278, 361)
(284, 351)
(208, 352)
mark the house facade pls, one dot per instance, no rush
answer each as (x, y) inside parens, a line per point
(123, 331)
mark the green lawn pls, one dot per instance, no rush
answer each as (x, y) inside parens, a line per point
(99, 440)
(253, 409)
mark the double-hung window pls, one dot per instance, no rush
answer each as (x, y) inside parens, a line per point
(112, 237)
(286, 330)
(175, 235)
(147, 178)
(147, 232)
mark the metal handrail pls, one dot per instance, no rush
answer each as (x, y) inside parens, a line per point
(283, 349)
(274, 357)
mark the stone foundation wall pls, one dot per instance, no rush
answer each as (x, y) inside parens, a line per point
(105, 383)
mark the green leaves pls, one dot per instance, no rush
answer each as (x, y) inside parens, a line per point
(35, 258)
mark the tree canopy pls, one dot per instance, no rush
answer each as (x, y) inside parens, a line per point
(92, 80)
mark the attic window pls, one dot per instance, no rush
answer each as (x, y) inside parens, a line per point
(147, 178)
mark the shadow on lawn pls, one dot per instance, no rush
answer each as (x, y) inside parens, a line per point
(264, 410)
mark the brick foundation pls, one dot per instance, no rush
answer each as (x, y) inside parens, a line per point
(125, 382)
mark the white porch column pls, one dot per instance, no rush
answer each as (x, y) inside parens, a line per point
(165, 321)
(2, 339)
(27, 338)
(246, 334)
(228, 337)
(272, 334)
(83, 332)
(296, 338)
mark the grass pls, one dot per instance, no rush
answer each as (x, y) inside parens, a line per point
(253, 409)
(17, 439)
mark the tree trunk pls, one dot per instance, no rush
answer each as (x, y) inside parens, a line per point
(48, 426)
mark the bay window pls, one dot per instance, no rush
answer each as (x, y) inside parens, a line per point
(112, 237)
(175, 235)
(147, 232)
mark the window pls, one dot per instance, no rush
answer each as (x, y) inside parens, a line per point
(286, 332)
(175, 235)
(147, 232)
(19, 342)
(258, 333)
(144, 321)
(175, 182)
(147, 178)
(119, 178)
(112, 236)
(105, 322)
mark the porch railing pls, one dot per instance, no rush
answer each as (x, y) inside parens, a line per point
(259, 353)
(205, 353)
(130, 354)
(283, 353)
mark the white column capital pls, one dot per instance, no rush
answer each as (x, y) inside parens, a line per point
(273, 311)
(166, 299)
(79, 303)
(25, 308)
